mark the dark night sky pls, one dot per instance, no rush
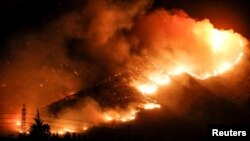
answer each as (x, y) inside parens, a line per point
(19, 16)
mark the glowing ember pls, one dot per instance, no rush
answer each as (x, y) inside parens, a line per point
(18, 126)
(85, 128)
(147, 88)
(65, 130)
(107, 118)
(120, 117)
(18, 123)
(150, 106)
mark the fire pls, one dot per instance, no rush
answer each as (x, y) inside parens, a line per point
(203, 53)
(224, 46)
(206, 53)
(107, 117)
(176, 71)
(217, 39)
(18, 123)
(120, 117)
(150, 106)
(147, 88)
(64, 131)
(159, 78)
(220, 40)
(150, 87)
(70, 129)
(54, 63)
(85, 128)
(125, 116)
(18, 126)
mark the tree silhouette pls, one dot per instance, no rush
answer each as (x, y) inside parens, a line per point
(39, 130)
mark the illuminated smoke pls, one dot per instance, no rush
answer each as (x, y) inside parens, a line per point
(106, 38)
(175, 44)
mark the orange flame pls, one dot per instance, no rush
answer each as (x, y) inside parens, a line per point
(146, 88)
(224, 47)
(150, 106)
(120, 117)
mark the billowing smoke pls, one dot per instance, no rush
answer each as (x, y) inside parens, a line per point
(176, 38)
(107, 38)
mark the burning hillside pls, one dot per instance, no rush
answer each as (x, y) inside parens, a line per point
(112, 92)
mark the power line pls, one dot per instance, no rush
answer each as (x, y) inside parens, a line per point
(53, 118)
(23, 121)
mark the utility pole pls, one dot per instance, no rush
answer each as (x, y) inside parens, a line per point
(23, 123)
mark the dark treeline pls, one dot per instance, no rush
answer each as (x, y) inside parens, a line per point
(125, 133)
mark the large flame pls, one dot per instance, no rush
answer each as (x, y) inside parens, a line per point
(198, 49)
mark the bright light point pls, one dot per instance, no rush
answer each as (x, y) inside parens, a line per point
(18, 123)
(150, 106)
(147, 88)
(60, 132)
(64, 131)
(85, 128)
(108, 118)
